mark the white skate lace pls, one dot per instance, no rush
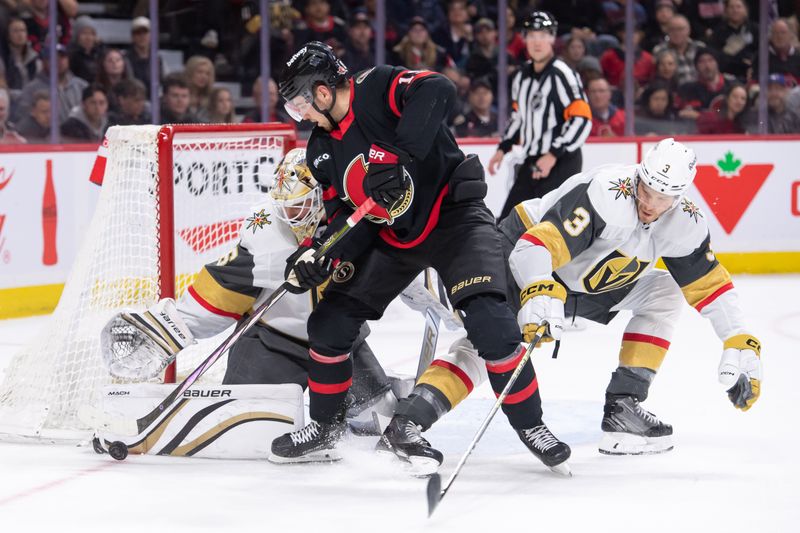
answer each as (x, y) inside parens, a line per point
(305, 434)
(540, 437)
(649, 417)
(411, 431)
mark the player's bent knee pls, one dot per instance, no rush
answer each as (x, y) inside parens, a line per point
(491, 325)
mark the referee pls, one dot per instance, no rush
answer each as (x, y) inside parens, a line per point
(550, 117)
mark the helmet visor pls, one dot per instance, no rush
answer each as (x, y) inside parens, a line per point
(298, 106)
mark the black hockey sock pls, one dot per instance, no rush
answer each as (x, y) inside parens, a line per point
(329, 379)
(523, 405)
(424, 406)
(631, 381)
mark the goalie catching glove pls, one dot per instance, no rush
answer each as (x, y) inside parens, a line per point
(542, 301)
(138, 346)
(387, 180)
(303, 272)
(740, 370)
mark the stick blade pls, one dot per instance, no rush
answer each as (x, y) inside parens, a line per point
(434, 493)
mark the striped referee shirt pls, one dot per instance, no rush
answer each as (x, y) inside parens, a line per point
(549, 111)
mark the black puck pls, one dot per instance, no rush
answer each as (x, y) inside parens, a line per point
(118, 450)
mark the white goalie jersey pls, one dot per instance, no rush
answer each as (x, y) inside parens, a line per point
(242, 279)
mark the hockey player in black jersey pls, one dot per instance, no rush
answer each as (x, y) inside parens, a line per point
(381, 135)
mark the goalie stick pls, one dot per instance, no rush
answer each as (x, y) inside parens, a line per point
(434, 490)
(129, 427)
(432, 321)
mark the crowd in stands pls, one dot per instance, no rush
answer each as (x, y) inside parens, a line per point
(695, 61)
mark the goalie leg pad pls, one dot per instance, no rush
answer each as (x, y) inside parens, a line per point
(223, 422)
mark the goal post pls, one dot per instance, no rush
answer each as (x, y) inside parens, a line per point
(173, 199)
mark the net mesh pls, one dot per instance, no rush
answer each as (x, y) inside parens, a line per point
(218, 175)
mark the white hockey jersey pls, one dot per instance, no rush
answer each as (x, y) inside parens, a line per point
(588, 235)
(245, 277)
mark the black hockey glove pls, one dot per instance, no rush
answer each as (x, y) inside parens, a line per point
(302, 272)
(386, 180)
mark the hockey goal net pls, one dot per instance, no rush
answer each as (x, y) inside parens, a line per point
(172, 200)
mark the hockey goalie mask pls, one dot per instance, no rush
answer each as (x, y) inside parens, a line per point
(296, 196)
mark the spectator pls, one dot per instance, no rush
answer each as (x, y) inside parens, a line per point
(614, 15)
(574, 51)
(70, 87)
(131, 97)
(728, 116)
(480, 121)
(736, 38)
(455, 36)
(575, 17)
(111, 70)
(35, 125)
(515, 46)
(319, 25)
(88, 122)
(417, 51)
(679, 40)
(220, 107)
(588, 69)
(401, 12)
(707, 14)
(85, 49)
(784, 57)
(360, 48)
(37, 19)
(782, 119)
(607, 119)
(656, 115)
(613, 60)
(657, 29)
(199, 74)
(482, 62)
(8, 135)
(20, 60)
(138, 57)
(697, 96)
(667, 69)
(175, 102)
(461, 82)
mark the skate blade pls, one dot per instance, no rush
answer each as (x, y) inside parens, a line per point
(414, 466)
(615, 443)
(322, 456)
(562, 469)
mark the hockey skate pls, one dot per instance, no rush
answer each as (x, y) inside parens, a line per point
(628, 429)
(547, 448)
(404, 439)
(314, 443)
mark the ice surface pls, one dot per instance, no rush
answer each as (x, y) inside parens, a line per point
(729, 472)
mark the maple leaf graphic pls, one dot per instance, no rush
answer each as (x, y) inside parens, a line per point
(729, 166)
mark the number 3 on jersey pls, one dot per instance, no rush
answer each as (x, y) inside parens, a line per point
(574, 226)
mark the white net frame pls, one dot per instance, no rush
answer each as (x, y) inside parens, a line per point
(172, 200)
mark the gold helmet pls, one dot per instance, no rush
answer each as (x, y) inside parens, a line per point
(296, 195)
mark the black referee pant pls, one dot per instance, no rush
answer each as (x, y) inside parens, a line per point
(525, 187)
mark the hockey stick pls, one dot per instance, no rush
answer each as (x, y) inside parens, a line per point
(435, 490)
(123, 426)
(429, 339)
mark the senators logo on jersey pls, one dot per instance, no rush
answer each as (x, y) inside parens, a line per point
(614, 271)
(355, 195)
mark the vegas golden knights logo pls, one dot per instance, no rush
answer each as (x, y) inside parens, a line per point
(615, 271)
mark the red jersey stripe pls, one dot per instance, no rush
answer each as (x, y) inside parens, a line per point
(524, 394)
(329, 388)
(716, 294)
(457, 371)
(208, 307)
(650, 339)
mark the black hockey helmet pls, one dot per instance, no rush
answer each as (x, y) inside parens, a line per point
(540, 21)
(314, 64)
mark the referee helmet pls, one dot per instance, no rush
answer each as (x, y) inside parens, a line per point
(540, 21)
